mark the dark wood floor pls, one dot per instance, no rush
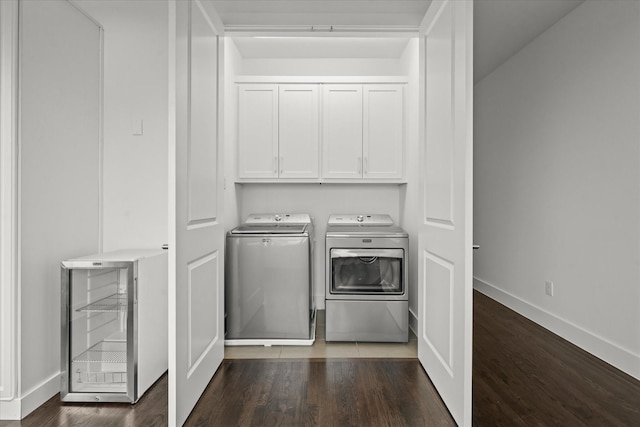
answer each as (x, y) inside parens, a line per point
(150, 411)
(320, 392)
(522, 376)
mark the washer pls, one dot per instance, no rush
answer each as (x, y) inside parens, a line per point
(366, 295)
(268, 282)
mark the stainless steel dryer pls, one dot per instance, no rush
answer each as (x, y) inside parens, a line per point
(366, 279)
(268, 281)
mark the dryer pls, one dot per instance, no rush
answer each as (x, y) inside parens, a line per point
(366, 295)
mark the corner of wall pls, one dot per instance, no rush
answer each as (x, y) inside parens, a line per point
(410, 208)
(40, 394)
(600, 347)
(233, 191)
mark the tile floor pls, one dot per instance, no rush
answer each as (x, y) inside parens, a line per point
(323, 349)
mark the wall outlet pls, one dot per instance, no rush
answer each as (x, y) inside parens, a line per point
(548, 288)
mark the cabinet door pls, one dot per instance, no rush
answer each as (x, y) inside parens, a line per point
(298, 131)
(383, 130)
(342, 131)
(258, 131)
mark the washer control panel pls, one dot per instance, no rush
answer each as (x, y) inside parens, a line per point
(372, 220)
(278, 218)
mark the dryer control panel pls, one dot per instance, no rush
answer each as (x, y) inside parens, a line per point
(350, 219)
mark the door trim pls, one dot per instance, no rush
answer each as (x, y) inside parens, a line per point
(9, 289)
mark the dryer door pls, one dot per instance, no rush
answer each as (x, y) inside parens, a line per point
(364, 272)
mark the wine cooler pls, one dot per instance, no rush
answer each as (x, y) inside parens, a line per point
(114, 325)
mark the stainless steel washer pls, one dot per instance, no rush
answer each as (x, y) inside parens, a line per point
(366, 279)
(268, 282)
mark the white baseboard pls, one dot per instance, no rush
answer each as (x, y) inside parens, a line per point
(40, 394)
(611, 353)
(413, 322)
(19, 408)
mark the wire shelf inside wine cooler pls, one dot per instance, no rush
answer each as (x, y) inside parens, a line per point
(104, 352)
(101, 377)
(112, 303)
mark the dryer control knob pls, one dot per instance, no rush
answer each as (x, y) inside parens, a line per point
(278, 218)
(359, 218)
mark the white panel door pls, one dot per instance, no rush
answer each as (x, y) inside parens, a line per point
(445, 238)
(342, 131)
(258, 131)
(298, 132)
(196, 301)
(382, 147)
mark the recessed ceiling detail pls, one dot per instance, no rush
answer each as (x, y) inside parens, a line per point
(320, 47)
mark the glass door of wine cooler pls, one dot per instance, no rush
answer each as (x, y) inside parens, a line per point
(99, 319)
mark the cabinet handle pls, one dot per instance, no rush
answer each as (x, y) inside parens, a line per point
(281, 164)
(275, 165)
(359, 164)
(366, 165)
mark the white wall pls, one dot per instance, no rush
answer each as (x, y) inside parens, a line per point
(320, 201)
(135, 89)
(410, 193)
(59, 178)
(557, 180)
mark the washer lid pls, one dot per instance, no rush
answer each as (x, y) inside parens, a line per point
(270, 229)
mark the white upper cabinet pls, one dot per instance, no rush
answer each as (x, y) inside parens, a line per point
(382, 145)
(298, 131)
(363, 131)
(258, 131)
(284, 127)
(279, 131)
(342, 131)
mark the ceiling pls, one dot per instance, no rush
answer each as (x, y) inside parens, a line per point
(501, 27)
